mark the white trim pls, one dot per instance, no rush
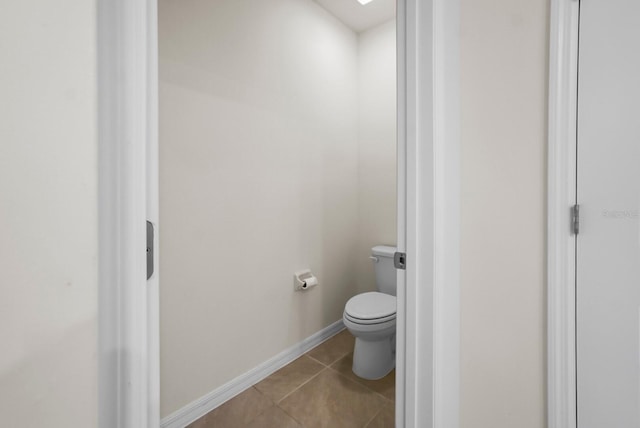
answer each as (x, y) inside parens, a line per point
(401, 159)
(447, 182)
(153, 215)
(200, 407)
(428, 231)
(561, 333)
(123, 114)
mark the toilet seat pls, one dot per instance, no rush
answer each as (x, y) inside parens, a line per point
(371, 308)
(377, 321)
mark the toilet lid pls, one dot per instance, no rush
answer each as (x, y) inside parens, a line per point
(377, 321)
(371, 306)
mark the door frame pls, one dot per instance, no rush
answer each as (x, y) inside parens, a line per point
(428, 323)
(561, 243)
(128, 304)
(428, 220)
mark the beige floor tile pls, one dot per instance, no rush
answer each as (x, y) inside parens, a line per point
(385, 386)
(237, 412)
(274, 417)
(384, 419)
(333, 349)
(200, 423)
(330, 400)
(288, 378)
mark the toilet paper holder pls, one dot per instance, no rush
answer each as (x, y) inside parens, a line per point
(303, 280)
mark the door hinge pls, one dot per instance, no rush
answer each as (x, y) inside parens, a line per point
(149, 249)
(575, 219)
(400, 260)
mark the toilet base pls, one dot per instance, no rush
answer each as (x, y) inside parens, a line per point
(374, 360)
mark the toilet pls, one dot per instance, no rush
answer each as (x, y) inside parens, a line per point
(371, 318)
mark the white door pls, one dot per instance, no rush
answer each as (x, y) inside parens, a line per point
(608, 250)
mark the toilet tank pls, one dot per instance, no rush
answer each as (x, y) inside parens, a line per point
(382, 256)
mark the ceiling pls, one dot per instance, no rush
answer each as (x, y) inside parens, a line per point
(360, 17)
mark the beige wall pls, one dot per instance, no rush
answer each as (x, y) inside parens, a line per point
(48, 214)
(377, 145)
(259, 178)
(503, 87)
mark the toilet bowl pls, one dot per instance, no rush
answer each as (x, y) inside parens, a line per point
(371, 318)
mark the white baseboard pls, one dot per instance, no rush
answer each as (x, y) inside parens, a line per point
(205, 404)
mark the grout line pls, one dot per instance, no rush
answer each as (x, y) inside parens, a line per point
(301, 385)
(373, 417)
(291, 416)
(261, 393)
(358, 383)
(317, 361)
(341, 357)
(336, 361)
(363, 385)
(332, 362)
(273, 404)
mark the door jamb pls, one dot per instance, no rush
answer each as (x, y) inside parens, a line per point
(561, 250)
(427, 360)
(128, 351)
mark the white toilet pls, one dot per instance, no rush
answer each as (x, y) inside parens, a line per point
(371, 318)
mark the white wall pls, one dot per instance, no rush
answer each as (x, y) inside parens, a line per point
(258, 178)
(504, 108)
(48, 215)
(377, 145)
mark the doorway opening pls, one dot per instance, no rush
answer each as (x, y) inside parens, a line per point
(277, 154)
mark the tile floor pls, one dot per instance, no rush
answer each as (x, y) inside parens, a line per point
(316, 390)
